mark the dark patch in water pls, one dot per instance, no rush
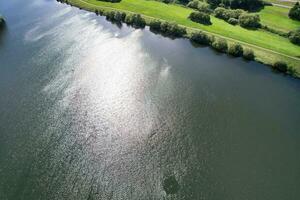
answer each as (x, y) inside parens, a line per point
(170, 185)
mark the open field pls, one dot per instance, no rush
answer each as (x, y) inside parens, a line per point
(269, 47)
(277, 18)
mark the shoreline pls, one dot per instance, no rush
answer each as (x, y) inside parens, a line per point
(262, 55)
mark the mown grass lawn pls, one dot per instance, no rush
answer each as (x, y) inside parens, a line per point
(277, 18)
(180, 15)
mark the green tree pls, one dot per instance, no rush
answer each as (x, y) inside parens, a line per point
(251, 21)
(235, 50)
(200, 17)
(295, 12)
(220, 45)
(294, 37)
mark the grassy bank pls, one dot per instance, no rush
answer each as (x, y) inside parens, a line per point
(277, 18)
(268, 47)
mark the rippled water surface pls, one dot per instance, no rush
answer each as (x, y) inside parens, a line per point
(90, 110)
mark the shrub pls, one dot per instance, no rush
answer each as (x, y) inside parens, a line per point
(294, 37)
(167, 28)
(248, 54)
(172, 29)
(221, 13)
(155, 25)
(233, 21)
(135, 20)
(220, 45)
(201, 38)
(110, 15)
(226, 14)
(294, 12)
(235, 50)
(200, 17)
(204, 7)
(243, 4)
(249, 21)
(193, 4)
(236, 13)
(280, 66)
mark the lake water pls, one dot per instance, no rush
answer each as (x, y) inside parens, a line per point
(89, 110)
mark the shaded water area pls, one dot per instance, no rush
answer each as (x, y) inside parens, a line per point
(89, 110)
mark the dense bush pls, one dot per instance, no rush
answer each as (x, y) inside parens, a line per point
(220, 45)
(155, 25)
(167, 28)
(280, 66)
(243, 4)
(113, 16)
(248, 54)
(249, 21)
(193, 4)
(204, 7)
(200, 17)
(295, 12)
(200, 6)
(136, 20)
(227, 14)
(233, 21)
(172, 29)
(201, 38)
(294, 37)
(235, 50)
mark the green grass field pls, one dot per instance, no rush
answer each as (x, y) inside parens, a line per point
(277, 18)
(179, 14)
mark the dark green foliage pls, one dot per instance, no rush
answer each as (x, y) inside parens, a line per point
(243, 4)
(204, 7)
(200, 6)
(200, 17)
(249, 21)
(220, 45)
(235, 50)
(248, 54)
(227, 14)
(155, 25)
(233, 21)
(201, 38)
(193, 4)
(221, 13)
(172, 29)
(167, 28)
(1, 20)
(295, 12)
(294, 37)
(280, 66)
(135, 20)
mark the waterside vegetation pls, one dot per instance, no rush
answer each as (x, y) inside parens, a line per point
(175, 21)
